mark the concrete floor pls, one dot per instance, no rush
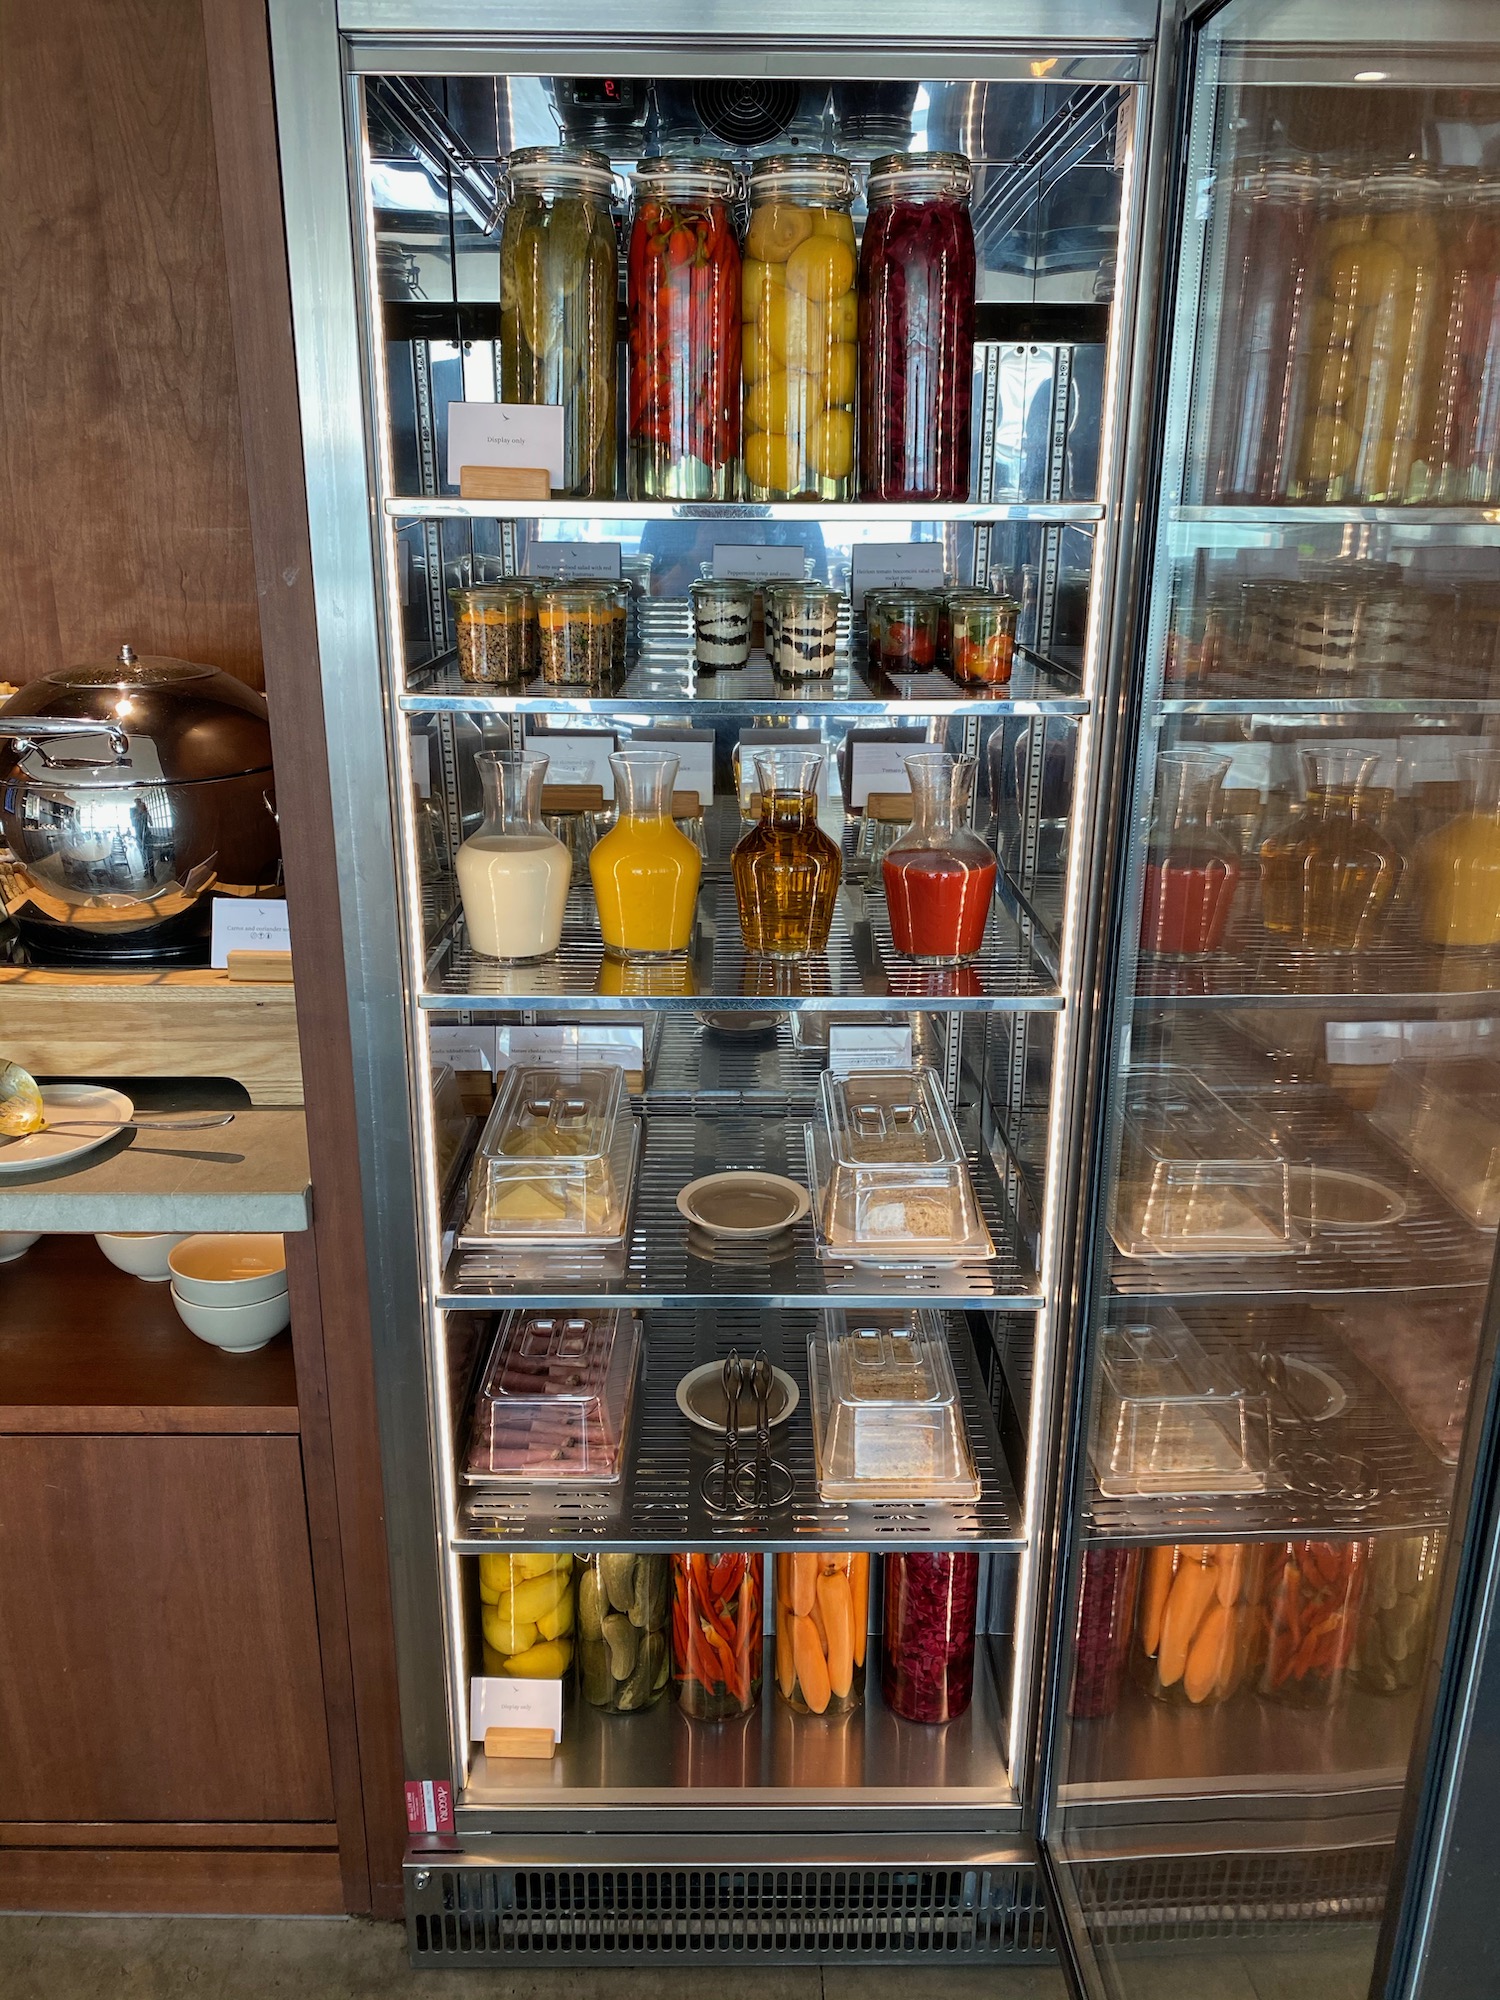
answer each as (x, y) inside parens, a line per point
(191, 1958)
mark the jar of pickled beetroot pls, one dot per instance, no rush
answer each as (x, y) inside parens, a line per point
(801, 325)
(916, 329)
(931, 1608)
(1101, 1635)
(684, 319)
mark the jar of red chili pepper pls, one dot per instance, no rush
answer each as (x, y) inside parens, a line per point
(1312, 1601)
(716, 1634)
(684, 317)
(1101, 1639)
(927, 1672)
(916, 329)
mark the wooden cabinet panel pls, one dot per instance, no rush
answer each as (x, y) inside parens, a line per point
(158, 1640)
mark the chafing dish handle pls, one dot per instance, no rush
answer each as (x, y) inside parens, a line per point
(30, 729)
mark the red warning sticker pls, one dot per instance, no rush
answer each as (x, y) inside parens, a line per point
(429, 1805)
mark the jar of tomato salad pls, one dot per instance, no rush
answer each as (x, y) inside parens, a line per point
(684, 317)
(916, 329)
(801, 323)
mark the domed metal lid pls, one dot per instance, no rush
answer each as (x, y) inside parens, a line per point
(186, 722)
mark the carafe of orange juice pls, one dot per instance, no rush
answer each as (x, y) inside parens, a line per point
(1458, 865)
(644, 870)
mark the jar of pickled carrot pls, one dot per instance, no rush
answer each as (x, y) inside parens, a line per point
(1198, 1625)
(801, 325)
(822, 1615)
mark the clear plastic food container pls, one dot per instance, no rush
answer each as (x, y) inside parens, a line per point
(1171, 1419)
(1196, 1180)
(1445, 1117)
(887, 1423)
(897, 1179)
(554, 1402)
(555, 1157)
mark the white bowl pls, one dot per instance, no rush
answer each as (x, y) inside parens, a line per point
(142, 1256)
(229, 1270)
(237, 1329)
(15, 1243)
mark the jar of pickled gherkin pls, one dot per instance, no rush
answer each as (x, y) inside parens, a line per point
(684, 314)
(558, 289)
(575, 631)
(916, 285)
(493, 635)
(624, 1661)
(801, 329)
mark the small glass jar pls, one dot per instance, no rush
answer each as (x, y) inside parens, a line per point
(874, 620)
(786, 869)
(559, 293)
(513, 875)
(940, 875)
(624, 1607)
(716, 1634)
(916, 350)
(619, 627)
(1328, 875)
(1101, 1636)
(908, 631)
(807, 629)
(684, 317)
(770, 598)
(645, 871)
(527, 1607)
(931, 1606)
(1399, 1612)
(822, 1616)
(801, 325)
(1313, 1595)
(493, 632)
(1199, 1620)
(576, 633)
(1192, 866)
(722, 612)
(982, 644)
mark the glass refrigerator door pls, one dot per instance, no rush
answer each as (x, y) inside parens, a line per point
(1298, 1164)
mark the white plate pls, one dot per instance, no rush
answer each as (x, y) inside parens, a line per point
(68, 1105)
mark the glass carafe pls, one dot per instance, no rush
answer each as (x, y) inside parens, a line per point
(939, 876)
(513, 874)
(1328, 875)
(645, 870)
(786, 869)
(916, 288)
(1458, 865)
(684, 315)
(1192, 868)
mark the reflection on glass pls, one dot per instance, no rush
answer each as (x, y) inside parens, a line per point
(1328, 875)
(1192, 869)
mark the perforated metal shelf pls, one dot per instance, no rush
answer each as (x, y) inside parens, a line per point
(664, 680)
(660, 1498)
(1410, 1486)
(859, 970)
(1253, 969)
(661, 1267)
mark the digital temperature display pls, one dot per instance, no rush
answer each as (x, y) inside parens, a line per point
(604, 92)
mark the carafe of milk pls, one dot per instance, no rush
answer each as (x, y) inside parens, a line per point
(512, 874)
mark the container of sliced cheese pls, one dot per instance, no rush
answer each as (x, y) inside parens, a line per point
(556, 1160)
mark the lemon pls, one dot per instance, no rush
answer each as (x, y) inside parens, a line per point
(843, 360)
(830, 444)
(757, 282)
(843, 317)
(794, 330)
(833, 222)
(752, 354)
(822, 268)
(766, 460)
(776, 229)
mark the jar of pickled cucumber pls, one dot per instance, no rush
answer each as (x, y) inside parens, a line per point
(799, 346)
(558, 293)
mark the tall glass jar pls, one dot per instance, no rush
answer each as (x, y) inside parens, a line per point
(528, 1608)
(1399, 1612)
(716, 1634)
(786, 869)
(1458, 865)
(1328, 875)
(645, 870)
(1313, 1594)
(931, 1606)
(801, 324)
(684, 318)
(916, 329)
(822, 1615)
(513, 875)
(1192, 866)
(939, 876)
(1461, 425)
(624, 1604)
(1101, 1638)
(494, 635)
(1199, 1623)
(558, 296)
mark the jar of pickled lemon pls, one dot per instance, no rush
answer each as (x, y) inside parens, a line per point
(799, 346)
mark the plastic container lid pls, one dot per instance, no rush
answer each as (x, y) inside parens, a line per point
(554, 1402)
(1171, 1419)
(887, 1424)
(554, 1157)
(1445, 1117)
(897, 1178)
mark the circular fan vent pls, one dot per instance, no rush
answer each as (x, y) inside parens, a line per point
(746, 111)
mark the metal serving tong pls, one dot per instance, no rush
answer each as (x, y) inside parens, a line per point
(1318, 1467)
(732, 1486)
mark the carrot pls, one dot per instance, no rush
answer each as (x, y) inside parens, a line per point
(812, 1668)
(786, 1672)
(1154, 1601)
(1231, 1572)
(859, 1584)
(804, 1584)
(836, 1602)
(1212, 1645)
(1192, 1591)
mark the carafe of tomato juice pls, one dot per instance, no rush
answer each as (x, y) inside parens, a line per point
(940, 875)
(1192, 868)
